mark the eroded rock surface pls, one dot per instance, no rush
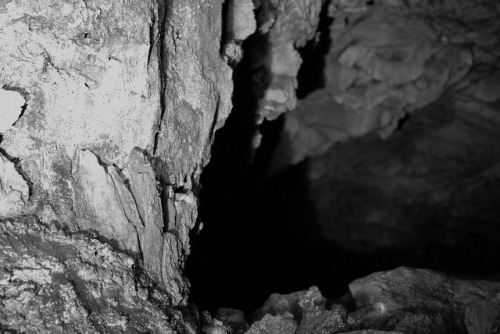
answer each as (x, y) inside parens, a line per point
(425, 194)
(404, 300)
(114, 108)
(422, 301)
(14, 191)
(301, 312)
(55, 282)
(386, 60)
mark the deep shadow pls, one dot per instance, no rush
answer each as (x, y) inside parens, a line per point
(311, 75)
(255, 239)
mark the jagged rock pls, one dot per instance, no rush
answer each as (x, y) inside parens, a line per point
(308, 310)
(14, 191)
(105, 142)
(54, 282)
(270, 324)
(386, 60)
(283, 27)
(234, 320)
(418, 301)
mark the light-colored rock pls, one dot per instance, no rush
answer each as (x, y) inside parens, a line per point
(240, 18)
(11, 105)
(285, 26)
(14, 191)
(121, 104)
(51, 282)
(103, 203)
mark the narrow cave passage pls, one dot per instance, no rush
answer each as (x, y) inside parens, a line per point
(427, 196)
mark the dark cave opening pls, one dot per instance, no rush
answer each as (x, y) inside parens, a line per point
(382, 203)
(261, 235)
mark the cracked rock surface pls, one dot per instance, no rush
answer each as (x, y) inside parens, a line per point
(55, 282)
(109, 117)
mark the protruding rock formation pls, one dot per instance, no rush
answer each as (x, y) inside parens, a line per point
(109, 109)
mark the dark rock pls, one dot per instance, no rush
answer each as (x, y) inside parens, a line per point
(271, 324)
(309, 312)
(234, 320)
(387, 60)
(416, 301)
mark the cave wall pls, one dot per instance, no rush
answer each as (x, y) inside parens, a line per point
(110, 109)
(399, 142)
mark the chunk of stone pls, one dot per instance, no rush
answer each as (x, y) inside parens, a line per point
(418, 301)
(11, 105)
(233, 319)
(308, 310)
(271, 324)
(240, 18)
(14, 190)
(285, 26)
(103, 203)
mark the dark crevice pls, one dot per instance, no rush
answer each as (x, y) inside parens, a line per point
(162, 64)
(268, 234)
(311, 75)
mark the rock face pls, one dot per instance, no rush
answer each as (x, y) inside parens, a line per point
(404, 300)
(305, 310)
(109, 109)
(429, 189)
(386, 60)
(54, 282)
(422, 301)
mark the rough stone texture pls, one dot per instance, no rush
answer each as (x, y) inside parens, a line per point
(14, 191)
(283, 26)
(55, 282)
(429, 192)
(417, 301)
(404, 300)
(387, 60)
(120, 102)
(270, 324)
(426, 195)
(308, 311)
(233, 319)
